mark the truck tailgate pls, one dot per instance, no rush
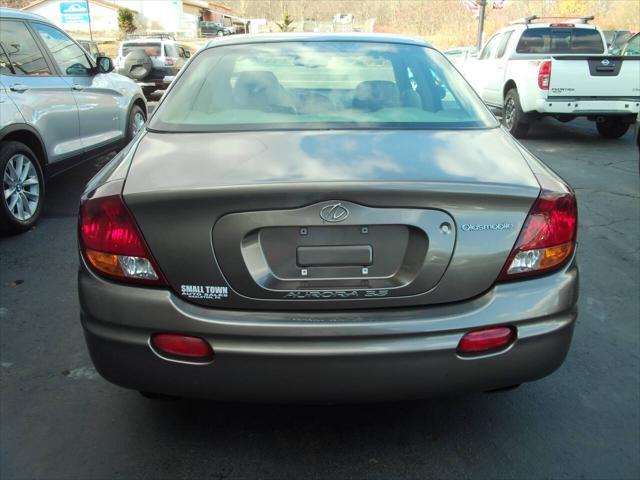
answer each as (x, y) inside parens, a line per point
(595, 76)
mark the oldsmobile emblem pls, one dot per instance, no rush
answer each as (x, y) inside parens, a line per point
(335, 212)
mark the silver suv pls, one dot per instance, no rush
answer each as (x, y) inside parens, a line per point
(151, 60)
(57, 106)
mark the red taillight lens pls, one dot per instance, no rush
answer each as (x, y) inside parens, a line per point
(547, 238)
(169, 62)
(544, 75)
(480, 341)
(562, 25)
(182, 346)
(112, 244)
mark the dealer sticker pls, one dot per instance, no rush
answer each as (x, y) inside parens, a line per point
(205, 292)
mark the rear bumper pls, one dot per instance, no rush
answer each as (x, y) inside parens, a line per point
(324, 357)
(583, 107)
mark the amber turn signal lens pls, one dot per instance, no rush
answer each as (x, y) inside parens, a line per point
(104, 262)
(553, 256)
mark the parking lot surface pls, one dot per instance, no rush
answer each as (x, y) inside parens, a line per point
(60, 420)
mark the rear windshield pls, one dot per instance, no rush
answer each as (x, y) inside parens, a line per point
(151, 49)
(307, 85)
(560, 40)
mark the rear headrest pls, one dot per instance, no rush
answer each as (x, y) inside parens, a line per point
(376, 94)
(256, 89)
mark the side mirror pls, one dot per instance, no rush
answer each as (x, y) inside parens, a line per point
(105, 64)
(187, 54)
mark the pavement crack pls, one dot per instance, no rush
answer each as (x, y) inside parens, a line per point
(608, 224)
(618, 194)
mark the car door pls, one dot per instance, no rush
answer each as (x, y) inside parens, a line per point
(44, 99)
(100, 104)
(479, 76)
(496, 69)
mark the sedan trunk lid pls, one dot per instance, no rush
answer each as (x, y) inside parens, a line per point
(330, 219)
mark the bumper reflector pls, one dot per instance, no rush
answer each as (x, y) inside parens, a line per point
(480, 341)
(182, 346)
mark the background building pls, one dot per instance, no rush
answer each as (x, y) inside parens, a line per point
(178, 17)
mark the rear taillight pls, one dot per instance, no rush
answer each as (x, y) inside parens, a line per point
(548, 237)
(112, 243)
(544, 75)
(169, 62)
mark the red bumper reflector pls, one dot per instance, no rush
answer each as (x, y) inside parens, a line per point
(487, 339)
(182, 346)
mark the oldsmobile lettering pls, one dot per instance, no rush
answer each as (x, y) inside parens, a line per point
(468, 227)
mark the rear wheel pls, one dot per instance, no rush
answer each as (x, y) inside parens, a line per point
(612, 128)
(22, 186)
(220, 33)
(137, 119)
(516, 121)
(157, 396)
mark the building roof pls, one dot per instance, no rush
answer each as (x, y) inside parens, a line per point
(216, 7)
(102, 3)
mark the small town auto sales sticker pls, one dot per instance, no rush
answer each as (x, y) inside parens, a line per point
(205, 292)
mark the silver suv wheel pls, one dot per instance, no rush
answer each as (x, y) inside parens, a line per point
(137, 123)
(21, 187)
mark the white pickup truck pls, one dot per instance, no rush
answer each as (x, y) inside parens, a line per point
(531, 69)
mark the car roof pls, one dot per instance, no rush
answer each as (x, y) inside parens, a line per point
(243, 39)
(21, 14)
(136, 41)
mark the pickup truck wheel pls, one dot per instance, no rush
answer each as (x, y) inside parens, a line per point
(22, 188)
(612, 128)
(513, 117)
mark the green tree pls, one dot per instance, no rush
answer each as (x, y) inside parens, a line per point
(126, 21)
(285, 26)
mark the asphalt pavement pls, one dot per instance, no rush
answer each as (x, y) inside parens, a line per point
(60, 420)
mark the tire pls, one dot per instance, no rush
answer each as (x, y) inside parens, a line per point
(22, 175)
(137, 65)
(565, 118)
(157, 396)
(134, 125)
(513, 118)
(612, 128)
(220, 33)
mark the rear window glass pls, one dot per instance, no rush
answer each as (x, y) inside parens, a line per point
(633, 47)
(151, 49)
(322, 85)
(170, 51)
(560, 40)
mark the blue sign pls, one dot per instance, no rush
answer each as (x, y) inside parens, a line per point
(74, 12)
